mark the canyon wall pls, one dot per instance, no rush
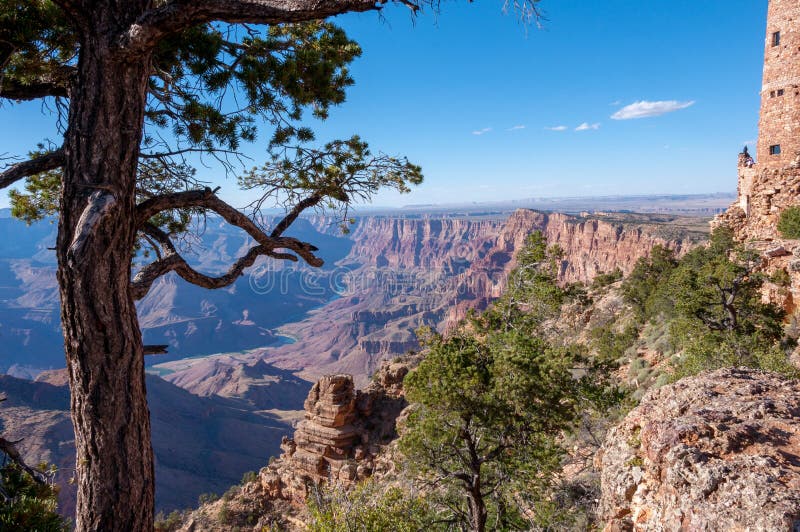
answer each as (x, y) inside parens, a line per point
(403, 273)
(201, 444)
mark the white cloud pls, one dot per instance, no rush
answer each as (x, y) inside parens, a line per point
(482, 131)
(516, 128)
(586, 126)
(557, 128)
(645, 109)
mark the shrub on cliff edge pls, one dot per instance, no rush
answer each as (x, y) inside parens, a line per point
(789, 223)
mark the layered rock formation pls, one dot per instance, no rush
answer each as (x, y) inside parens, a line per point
(720, 451)
(341, 436)
(404, 273)
(342, 440)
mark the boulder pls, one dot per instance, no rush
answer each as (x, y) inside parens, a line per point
(719, 451)
(776, 251)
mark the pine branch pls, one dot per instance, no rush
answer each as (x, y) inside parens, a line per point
(178, 15)
(9, 448)
(43, 163)
(155, 349)
(172, 261)
(11, 90)
(206, 199)
(289, 219)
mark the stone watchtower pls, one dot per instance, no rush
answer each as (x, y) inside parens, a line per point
(772, 182)
(779, 124)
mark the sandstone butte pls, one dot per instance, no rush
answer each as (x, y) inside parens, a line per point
(343, 439)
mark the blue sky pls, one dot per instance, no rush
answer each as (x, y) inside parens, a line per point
(470, 94)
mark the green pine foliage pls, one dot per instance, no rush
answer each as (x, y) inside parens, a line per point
(168, 523)
(789, 222)
(641, 288)
(278, 72)
(532, 295)
(487, 419)
(494, 400)
(42, 192)
(711, 302)
(602, 280)
(26, 504)
(371, 508)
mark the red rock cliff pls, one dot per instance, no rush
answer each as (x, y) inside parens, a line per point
(404, 273)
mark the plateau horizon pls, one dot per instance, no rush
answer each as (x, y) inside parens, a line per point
(568, 108)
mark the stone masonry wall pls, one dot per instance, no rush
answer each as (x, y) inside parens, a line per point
(780, 94)
(767, 188)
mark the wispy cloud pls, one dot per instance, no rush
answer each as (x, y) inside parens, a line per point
(615, 103)
(516, 128)
(586, 126)
(557, 128)
(646, 109)
(482, 131)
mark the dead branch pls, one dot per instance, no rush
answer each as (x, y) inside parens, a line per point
(155, 349)
(9, 448)
(173, 17)
(172, 261)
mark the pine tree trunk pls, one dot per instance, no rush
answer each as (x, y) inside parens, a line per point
(477, 510)
(95, 243)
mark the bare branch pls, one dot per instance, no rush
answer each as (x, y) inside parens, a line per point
(11, 90)
(289, 219)
(178, 15)
(172, 261)
(206, 199)
(43, 163)
(6, 52)
(9, 448)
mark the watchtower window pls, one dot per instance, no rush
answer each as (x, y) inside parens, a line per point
(780, 92)
(771, 94)
(776, 38)
(775, 149)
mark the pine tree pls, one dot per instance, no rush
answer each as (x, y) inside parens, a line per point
(139, 85)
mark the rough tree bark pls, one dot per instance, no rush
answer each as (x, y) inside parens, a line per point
(96, 237)
(477, 506)
(477, 511)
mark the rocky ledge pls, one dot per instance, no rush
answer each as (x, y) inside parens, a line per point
(720, 451)
(341, 441)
